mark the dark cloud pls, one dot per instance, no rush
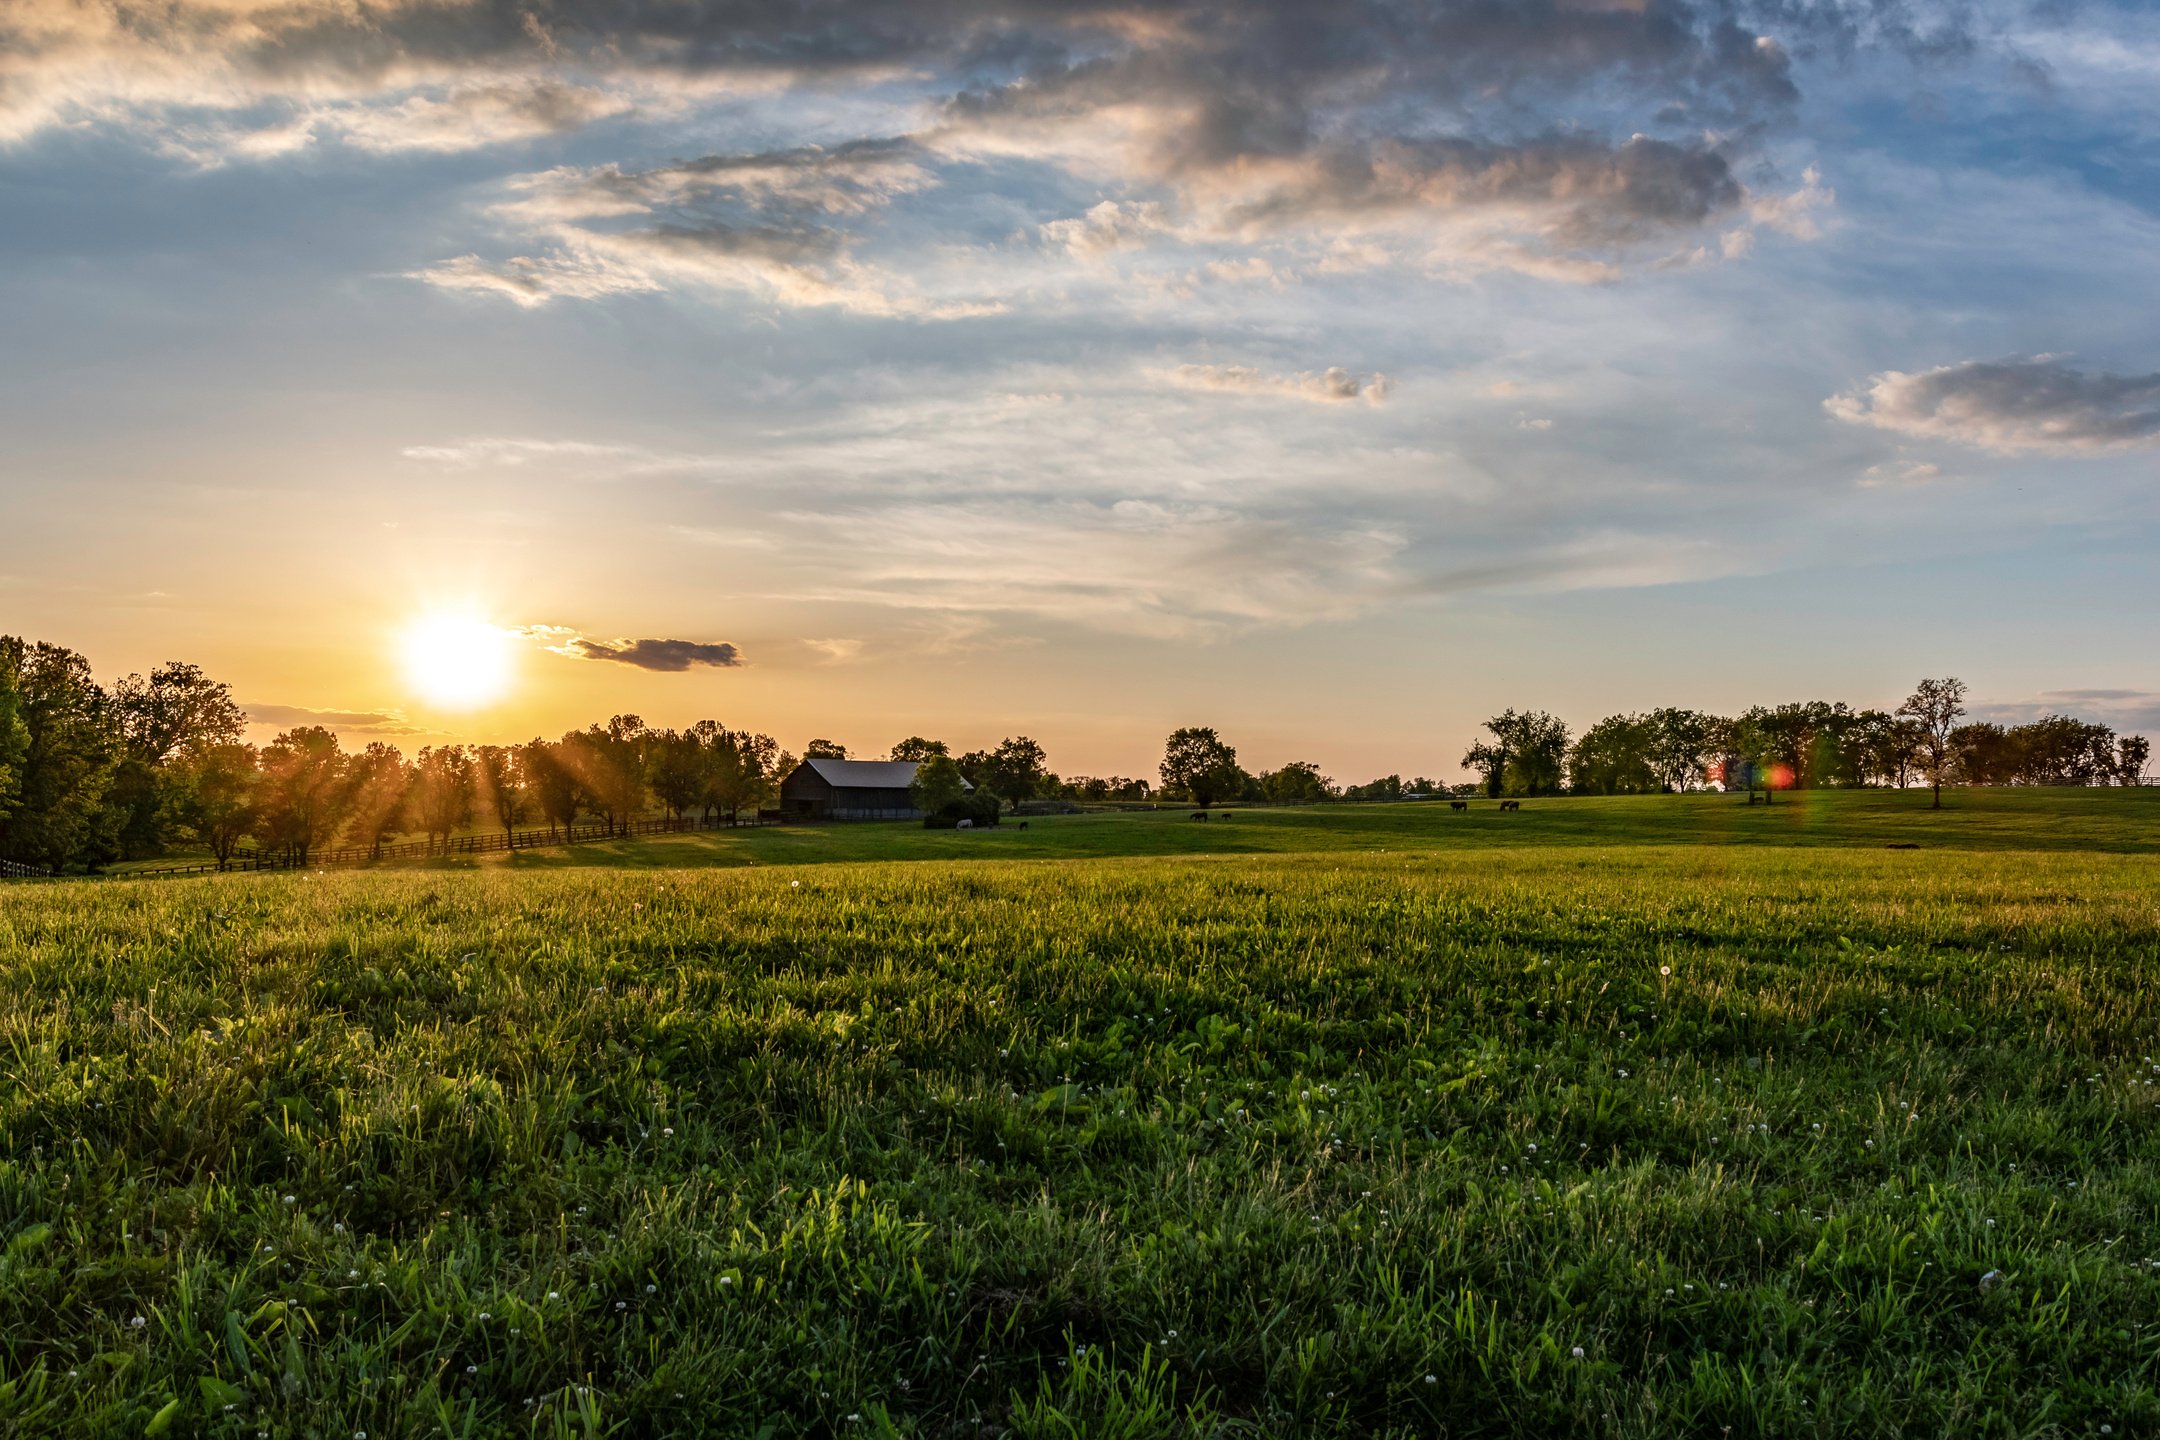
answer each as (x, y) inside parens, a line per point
(2030, 404)
(656, 654)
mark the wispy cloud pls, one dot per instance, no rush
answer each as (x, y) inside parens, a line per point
(1332, 386)
(2035, 404)
(345, 722)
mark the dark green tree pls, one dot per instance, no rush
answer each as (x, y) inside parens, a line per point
(1196, 761)
(69, 748)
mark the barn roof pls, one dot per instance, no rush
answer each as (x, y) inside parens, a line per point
(865, 774)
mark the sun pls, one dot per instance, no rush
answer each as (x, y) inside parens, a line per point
(457, 662)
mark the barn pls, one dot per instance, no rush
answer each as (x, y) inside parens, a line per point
(849, 790)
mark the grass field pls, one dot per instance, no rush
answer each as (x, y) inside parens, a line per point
(1623, 1118)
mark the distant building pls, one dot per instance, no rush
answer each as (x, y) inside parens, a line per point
(850, 790)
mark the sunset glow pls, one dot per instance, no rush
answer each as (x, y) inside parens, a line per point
(454, 662)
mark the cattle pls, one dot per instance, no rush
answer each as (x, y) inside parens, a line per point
(1458, 804)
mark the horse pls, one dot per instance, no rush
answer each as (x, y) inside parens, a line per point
(1199, 814)
(1458, 804)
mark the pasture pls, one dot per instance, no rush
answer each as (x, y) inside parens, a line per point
(1610, 1118)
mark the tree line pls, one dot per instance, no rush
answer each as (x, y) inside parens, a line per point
(91, 774)
(1801, 746)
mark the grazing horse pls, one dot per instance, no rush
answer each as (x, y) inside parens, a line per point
(1511, 804)
(1021, 826)
(1199, 814)
(1458, 804)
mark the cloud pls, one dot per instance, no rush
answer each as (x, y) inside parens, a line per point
(836, 650)
(1552, 137)
(666, 655)
(1902, 472)
(1108, 226)
(466, 116)
(2035, 404)
(760, 222)
(1333, 385)
(345, 722)
(2128, 711)
(514, 452)
(1135, 566)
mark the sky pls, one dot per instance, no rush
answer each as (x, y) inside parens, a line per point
(1332, 373)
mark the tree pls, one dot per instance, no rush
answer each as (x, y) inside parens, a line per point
(1526, 756)
(379, 782)
(177, 709)
(1935, 706)
(742, 769)
(1746, 758)
(608, 761)
(1616, 757)
(304, 790)
(824, 750)
(217, 805)
(14, 740)
(2132, 751)
(69, 751)
(553, 784)
(938, 786)
(918, 749)
(442, 791)
(1885, 748)
(1013, 772)
(677, 769)
(1299, 782)
(499, 779)
(1680, 748)
(1196, 761)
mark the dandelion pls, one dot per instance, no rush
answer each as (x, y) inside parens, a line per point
(1578, 1352)
(138, 1322)
(1432, 1379)
(472, 1369)
(1662, 970)
(289, 1200)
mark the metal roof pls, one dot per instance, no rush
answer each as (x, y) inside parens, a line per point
(866, 774)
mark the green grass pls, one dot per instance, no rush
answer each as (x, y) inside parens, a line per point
(1176, 1144)
(2123, 821)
